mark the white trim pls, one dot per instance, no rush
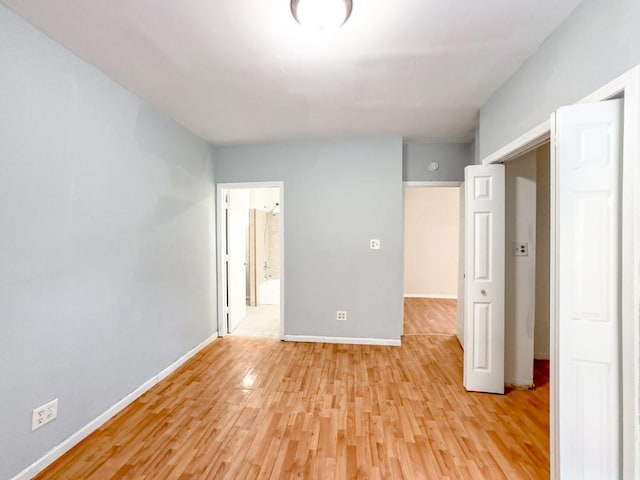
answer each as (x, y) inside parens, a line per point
(221, 241)
(627, 84)
(343, 340)
(221, 284)
(434, 183)
(630, 285)
(418, 334)
(553, 310)
(56, 452)
(612, 89)
(250, 185)
(521, 145)
(431, 295)
(282, 254)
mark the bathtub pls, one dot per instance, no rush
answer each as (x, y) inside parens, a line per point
(269, 292)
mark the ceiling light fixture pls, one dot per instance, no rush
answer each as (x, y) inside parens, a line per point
(324, 15)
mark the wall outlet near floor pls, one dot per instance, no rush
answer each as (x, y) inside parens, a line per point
(521, 249)
(341, 316)
(44, 414)
(374, 244)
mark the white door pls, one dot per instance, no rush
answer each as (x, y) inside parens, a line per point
(588, 140)
(237, 231)
(484, 278)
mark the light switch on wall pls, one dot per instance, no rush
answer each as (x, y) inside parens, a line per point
(374, 244)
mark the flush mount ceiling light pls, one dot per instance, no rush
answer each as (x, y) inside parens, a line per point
(321, 15)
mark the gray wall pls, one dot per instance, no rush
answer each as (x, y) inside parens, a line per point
(337, 196)
(475, 148)
(452, 157)
(520, 284)
(597, 43)
(105, 245)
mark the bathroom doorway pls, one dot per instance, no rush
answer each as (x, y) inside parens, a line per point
(251, 253)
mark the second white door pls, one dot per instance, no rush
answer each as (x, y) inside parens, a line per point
(484, 278)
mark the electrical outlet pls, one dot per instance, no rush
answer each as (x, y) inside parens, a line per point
(521, 249)
(44, 414)
(341, 316)
(374, 244)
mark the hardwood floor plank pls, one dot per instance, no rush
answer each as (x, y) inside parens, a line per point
(429, 316)
(259, 408)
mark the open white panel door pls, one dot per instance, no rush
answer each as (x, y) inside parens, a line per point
(484, 278)
(588, 140)
(237, 232)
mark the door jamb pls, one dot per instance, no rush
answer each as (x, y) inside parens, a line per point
(427, 184)
(221, 189)
(433, 183)
(628, 85)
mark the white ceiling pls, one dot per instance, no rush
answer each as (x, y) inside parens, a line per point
(240, 71)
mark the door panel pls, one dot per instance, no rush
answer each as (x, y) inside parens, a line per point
(588, 212)
(484, 278)
(238, 227)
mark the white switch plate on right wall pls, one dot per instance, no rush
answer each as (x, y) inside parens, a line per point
(374, 244)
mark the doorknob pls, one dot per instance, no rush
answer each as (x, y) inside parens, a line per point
(483, 292)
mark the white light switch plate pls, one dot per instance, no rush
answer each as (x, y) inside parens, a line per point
(374, 244)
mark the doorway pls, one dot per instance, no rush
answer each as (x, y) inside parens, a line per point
(527, 268)
(431, 255)
(251, 260)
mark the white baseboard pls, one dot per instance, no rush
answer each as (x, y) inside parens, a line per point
(345, 340)
(431, 295)
(66, 445)
(541, 356)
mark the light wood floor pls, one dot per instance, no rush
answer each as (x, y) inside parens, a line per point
(261, 408)
(429, 316)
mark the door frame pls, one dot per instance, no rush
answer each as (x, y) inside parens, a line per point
(221, 189)
(429, 184)
(627, 86)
